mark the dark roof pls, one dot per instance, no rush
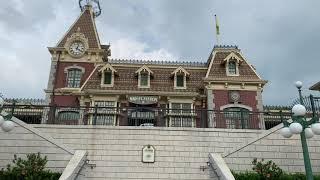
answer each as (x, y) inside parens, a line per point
(126, 79)
(218, 70)
(87, 26)
(315, 87)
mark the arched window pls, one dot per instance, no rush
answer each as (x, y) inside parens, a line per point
(236, 117)
(74, 78)
(144, 76)
(107, 77)
(144, 79)
(232, 67)
(68, 115)
(180, 80)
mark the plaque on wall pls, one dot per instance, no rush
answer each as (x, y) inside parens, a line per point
(234, 96)
(143, 100)
(148, 153)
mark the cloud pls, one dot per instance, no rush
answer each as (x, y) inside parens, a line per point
(132, 49)
(280, 38)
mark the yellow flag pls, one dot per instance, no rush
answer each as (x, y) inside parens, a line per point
(217, 25)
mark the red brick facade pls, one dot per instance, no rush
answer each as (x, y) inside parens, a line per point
(198, 79)
(62, 75)
(247, 98)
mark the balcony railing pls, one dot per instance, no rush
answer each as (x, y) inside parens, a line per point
(110, 116)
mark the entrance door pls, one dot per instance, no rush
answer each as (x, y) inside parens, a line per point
(141, 116)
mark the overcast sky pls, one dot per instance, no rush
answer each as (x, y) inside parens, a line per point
(280, 38)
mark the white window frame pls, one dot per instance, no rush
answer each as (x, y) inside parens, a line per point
(107, 67)
(191, 114)
(232, 57)
(237, 68)
(108, 112)
(180, 70)
(139, 81)
(144, 69)
(66, 71)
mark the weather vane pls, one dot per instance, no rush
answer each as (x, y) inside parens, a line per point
(95, 6)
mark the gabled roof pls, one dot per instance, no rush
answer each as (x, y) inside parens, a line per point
(107, 66)
(179, 70)
(85, 24)
(144, 68)
(232, 55)
(217, 70)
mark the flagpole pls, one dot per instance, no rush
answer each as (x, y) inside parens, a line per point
(217, 29)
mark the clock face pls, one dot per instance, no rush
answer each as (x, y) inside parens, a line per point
(77, 48)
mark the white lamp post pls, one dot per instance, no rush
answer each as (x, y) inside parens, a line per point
(5, 121)
(306, 129)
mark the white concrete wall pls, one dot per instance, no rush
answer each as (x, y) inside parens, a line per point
(116, 151)
(24, 139)
(287, 153)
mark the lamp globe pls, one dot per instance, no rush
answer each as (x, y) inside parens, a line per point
(298, 84)
(299, 110)
(285, 132)
(296, 128)
(316, 128)
(1, 120)
(308, 132)
(7, 126)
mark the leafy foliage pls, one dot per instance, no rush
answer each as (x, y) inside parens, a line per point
(30, 169)
(254, 176)
(266, 170)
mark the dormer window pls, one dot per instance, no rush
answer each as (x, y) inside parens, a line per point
(108, 73)
(107, 79)
(232, 63)
(180, 78)
(144, 79)
(74, 76)
(144, 76)
(232, 67)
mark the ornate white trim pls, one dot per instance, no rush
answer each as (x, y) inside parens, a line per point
(76, 37)
(232, 55)
(180, 70)
(144, 69)
(107, 67)
(66, 69)
(227, 68)
(235, 105)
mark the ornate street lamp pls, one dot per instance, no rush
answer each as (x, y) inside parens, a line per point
(5, 121)
(303, 126)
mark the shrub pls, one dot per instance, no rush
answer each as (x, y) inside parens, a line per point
(30, 169)
(254, 176)
(266, 170)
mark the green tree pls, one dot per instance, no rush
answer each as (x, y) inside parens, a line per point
(32, 168)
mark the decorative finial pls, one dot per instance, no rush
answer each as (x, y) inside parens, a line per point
(94, 4)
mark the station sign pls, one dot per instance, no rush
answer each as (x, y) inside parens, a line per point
(143, 100)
